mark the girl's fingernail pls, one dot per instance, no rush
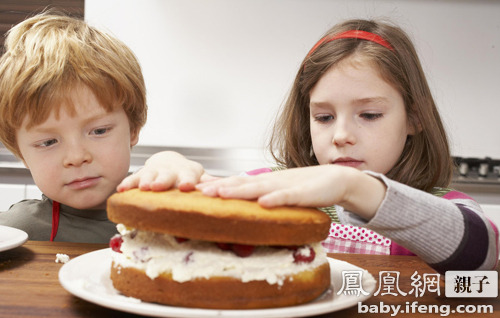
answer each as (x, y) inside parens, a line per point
(209, 191)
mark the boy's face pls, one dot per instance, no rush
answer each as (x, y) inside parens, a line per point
(79, 160)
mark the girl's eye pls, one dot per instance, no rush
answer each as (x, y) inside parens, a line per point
(371, 116)
(46, 143)
(100, 131)
(323, 118)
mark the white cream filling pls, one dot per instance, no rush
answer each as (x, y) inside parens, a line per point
(157, 253)
(62, 258)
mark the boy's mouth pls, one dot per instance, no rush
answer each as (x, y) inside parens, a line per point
(83, 183)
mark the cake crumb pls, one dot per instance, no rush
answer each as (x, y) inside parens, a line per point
(62, 258)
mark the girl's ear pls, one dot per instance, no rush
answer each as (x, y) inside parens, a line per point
(414, 125)
(414, 129)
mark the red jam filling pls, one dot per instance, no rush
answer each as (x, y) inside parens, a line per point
(241, 250)
(116, 243)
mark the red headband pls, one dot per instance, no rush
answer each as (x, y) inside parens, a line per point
(353, 34)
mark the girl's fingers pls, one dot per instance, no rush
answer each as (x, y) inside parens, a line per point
(187, 181)
(162, 182)
(217, 183)
(132, 181)
(208, 190)
(147, 177)
(238, 187)
(284, 197)
(161, 178)
(208, 178)
(247, 191)
(128, 183)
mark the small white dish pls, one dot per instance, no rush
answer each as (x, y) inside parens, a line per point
(11, 237)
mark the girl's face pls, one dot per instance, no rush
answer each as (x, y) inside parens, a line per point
(357, 119)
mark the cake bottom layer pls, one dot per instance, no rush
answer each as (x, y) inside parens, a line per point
(221, 292)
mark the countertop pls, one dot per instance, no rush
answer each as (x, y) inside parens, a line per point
(29, 285)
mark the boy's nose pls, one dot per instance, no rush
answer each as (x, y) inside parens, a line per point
(77, 155)
(343, 134)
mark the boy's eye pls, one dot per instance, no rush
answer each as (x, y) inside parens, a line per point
(46, 143)
(323, 118)
(100, 131)
(371, 116)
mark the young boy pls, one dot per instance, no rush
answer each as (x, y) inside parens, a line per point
(72, 103)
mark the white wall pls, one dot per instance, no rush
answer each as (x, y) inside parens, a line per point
(217, 71)
(12, 193)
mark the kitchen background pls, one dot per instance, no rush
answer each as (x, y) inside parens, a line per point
(217, 72)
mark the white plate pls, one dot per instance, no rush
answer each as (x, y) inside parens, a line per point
(11, 237)
(87, 276)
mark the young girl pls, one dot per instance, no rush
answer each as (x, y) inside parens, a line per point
(360, 133)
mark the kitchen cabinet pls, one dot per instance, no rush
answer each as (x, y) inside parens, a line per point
(15, 11)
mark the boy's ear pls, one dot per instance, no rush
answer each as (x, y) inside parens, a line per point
(134, 138)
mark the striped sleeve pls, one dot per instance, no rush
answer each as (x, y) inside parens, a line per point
(449, 232)
(480, 234)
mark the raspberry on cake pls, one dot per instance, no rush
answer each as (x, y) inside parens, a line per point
(186, 249)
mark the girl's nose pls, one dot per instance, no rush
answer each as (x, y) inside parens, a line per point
(76, 155)
(343, 133)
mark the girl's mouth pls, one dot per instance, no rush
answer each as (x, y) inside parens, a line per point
(348, 162)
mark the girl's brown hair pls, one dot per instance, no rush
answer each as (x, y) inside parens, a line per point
(48, 56)
(425, 161)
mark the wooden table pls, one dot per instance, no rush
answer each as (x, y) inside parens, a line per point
(29, 285)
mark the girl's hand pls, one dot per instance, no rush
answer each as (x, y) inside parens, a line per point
(316, 186)
(165, 170)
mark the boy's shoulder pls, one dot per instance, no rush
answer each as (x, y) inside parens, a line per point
(27, 213)
(29, 206)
